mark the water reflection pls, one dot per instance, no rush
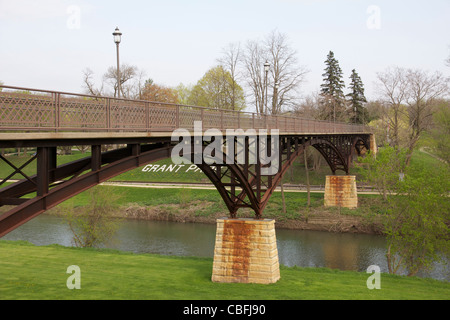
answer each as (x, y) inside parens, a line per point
(331, 250)
(295, 247)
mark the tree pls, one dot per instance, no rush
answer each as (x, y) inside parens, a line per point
(154, 92)
(356, 99)
(440, 132)
(229, 62)
(309, 106)
(89, 83)
(417, 209)
(448, 61)
(425, 90)
(333, 100)
(131, 79)
(382, 171)
(410, 94)
(217, 89)
(416, 225)
(94, 224)
(183, 92)
(253, 61)
(127, 73)
(392, 88)
(283, 79)
(286, 74)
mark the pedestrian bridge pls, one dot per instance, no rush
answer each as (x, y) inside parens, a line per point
(146, 131)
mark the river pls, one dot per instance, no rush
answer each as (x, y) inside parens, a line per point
(303, 248)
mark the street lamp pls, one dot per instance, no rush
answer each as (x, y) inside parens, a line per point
(266, 71)
(117, 37)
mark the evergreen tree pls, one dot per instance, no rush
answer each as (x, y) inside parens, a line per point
(333, 99)
(356, 100)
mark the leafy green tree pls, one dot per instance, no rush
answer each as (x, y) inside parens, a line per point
(183, 92)
(384, 169)
(333, 99)
(416, 225)
(217, 89)
(441, 131)
(95, 223)
(356, 99)
(416, 206)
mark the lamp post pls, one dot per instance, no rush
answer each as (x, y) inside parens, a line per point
(117, 37)
(266, 71)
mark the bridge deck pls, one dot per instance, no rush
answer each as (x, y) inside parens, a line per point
(35, 139)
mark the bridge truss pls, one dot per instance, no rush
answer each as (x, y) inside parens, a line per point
(241, 184)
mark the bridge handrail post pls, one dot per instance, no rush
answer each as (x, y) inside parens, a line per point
(57, 110)
(238, 119)
(202, 117)
(177, 116)
(108, 114)
(147, 116)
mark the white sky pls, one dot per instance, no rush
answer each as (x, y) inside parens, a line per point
(46, 44)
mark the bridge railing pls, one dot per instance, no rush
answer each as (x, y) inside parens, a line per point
(25, 109)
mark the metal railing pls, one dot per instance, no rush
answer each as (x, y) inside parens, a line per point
(25, 109)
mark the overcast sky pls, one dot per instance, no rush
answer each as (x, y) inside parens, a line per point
(46, 44)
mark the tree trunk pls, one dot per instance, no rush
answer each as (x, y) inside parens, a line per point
(307, 177)
(282, 197)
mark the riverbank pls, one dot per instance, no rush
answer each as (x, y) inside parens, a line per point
(312, 219)
(205, 206)
(39, 272)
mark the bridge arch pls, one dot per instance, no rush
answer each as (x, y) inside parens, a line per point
(240, 185)
(50, 119)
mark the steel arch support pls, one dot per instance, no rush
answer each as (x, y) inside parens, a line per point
(47, 198)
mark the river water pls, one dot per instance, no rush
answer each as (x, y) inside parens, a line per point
(295, 247)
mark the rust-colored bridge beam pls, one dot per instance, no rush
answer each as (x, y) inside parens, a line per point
(239, 184)
(47, 197)
(48, 119)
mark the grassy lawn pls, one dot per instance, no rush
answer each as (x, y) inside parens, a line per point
(176, 200)
(295, 175)
(34, 272)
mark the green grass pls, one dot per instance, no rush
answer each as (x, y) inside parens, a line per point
(296, 175)
(39, 272)
(296, 202)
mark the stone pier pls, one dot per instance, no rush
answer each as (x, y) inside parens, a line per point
(340, 191)
(246, 251)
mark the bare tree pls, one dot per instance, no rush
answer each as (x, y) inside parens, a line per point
(447, 61)
(127, 73)
(229, 62)
(424, 89)
(411, 95)
(392, 88)
(132, 82)
(253, 60)
(285, 75)
(89, 83)
(309, 107)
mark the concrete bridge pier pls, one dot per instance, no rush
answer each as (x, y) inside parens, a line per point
(340, 191)
(246, 251)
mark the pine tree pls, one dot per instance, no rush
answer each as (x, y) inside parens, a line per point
(333, 99)
(356, 99)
